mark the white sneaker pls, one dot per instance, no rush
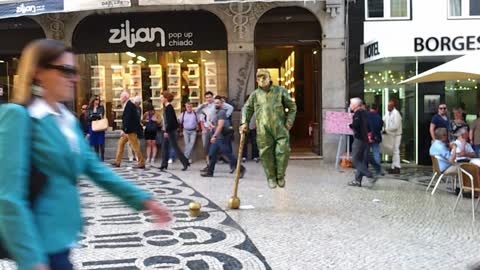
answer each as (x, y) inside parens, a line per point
(130, 159)
(170, 161)
(190, 161)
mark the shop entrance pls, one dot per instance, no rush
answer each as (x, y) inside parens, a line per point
(294, 60)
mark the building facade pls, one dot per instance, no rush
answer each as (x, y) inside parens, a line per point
(402, 38)
(190, 49)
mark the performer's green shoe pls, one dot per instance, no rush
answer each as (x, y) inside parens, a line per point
(281, 182)
(272, 183)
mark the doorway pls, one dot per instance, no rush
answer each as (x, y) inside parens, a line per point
(294, 60)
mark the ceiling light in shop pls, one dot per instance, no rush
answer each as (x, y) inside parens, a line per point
(1, 61)
(190, 60)
(131, 54)
(315, 52)
(139, 62)
(366, 72)
(204, 60)
(209, 52)
(194, 51)
(130, 62)
(141, 58)
(180, 60)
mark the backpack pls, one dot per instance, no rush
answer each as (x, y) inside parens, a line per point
(150, 126)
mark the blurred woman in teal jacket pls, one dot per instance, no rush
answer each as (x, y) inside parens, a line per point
(38, 130)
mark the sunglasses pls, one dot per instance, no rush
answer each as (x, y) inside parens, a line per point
(442, 108)
(67, 71)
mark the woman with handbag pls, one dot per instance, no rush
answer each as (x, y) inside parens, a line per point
(38, 131)
(151, 119)
(98, 125)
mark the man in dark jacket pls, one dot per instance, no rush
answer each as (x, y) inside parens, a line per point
(130, 123)
(375, 124)
(83, 118)
(359, 126)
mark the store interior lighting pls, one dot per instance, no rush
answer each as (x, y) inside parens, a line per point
(180, 60)
(139, 62)
(130, 62)
(131, 54)
(141, 58)
(209, 52)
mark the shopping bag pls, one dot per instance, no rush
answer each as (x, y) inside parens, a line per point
(386, 146)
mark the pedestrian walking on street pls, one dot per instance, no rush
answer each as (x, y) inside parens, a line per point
(97, 138)
(129, 133)
(269, 103)
(151, 119)
(375, 125)
(359, 126)
(170, 135)
(206, 111)
(189, 122)
(39, 226)
(393, 127)
(251, 137)
(217, 142)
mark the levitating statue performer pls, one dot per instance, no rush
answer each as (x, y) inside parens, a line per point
(275, 113)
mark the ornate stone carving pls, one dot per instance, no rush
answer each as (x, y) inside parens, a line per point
(56, 25)
(333, 7)
(244, 16)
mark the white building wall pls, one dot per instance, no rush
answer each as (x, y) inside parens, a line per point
(429, 19)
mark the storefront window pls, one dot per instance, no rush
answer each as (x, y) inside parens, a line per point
(381, 85)
(187, 74)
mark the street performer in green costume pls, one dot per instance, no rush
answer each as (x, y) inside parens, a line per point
(275, 113)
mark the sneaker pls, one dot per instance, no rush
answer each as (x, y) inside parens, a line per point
(114, 164)
(281, 182)
(190, 161)
(130, 159)
(373, 179)
(272, 183)
(244, 160)
(170, 161)
(204, 169)
(256, 159)
(354, 183)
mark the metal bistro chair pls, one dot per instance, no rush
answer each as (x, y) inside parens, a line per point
(437, 172)
(469, 181)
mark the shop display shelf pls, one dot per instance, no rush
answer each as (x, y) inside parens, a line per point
(116, 99)
(117, 110)
(117, 120)
(155, 76)
(97, 78)
(155, 98)
(155, 87)
(117, 89)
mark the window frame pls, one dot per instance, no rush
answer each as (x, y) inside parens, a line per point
(387, 11)
(465, 10)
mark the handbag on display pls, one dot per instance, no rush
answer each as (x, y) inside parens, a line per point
(100, 125)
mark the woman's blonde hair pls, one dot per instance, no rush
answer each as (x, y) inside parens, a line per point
(35, 55)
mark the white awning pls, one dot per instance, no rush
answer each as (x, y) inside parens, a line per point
(462, 68)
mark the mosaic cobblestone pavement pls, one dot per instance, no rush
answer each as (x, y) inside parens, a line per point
(118, 238)
(317, 222)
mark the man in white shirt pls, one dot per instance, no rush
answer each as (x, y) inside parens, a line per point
(464, 149)
(393, 127)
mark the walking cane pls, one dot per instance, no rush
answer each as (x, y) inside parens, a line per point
(234, 201)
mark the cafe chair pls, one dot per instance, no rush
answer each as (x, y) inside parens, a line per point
(469, 182)
(440, 174)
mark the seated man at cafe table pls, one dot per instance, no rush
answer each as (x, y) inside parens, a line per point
(447, 153)
(464, 149)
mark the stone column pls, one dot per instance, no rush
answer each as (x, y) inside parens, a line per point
(333, 89)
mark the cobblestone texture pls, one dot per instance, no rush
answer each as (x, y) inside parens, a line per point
(316, 222)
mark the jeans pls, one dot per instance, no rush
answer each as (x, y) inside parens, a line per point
(220, 145)
(189, 137)
(476, 148)
(171, 153)
(252, 138)
(360, 160)
(172, 141)
(375, 159)
(60, 261)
